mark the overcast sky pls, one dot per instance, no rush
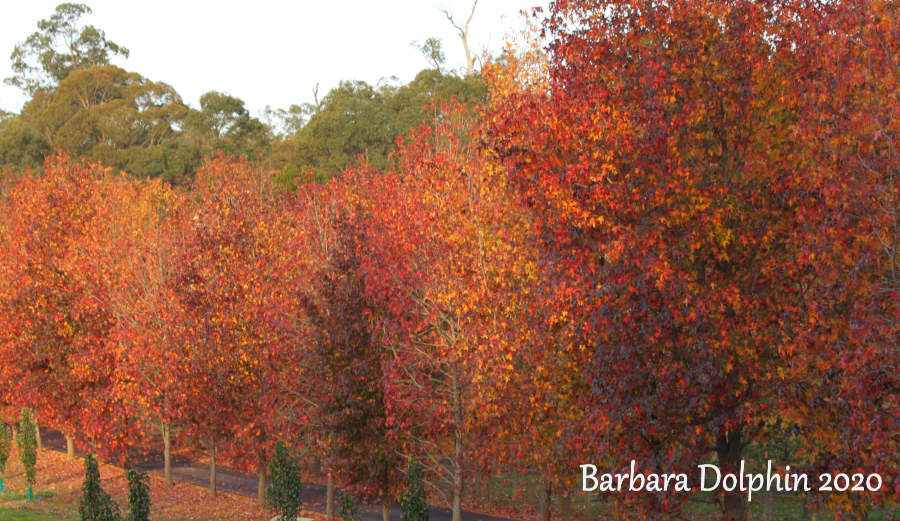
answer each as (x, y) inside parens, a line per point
(270, 52)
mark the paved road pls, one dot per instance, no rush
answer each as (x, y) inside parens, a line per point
(236, 482)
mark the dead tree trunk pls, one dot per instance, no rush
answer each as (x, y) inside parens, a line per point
(464, 36)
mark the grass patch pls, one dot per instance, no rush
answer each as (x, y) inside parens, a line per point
(17, 496)
(24, 514)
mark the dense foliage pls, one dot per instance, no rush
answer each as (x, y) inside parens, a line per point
(95, 503)
(5, 448)
(138, 496)
(414, 501)
(26, 444)
(348, 507)
(669, 236)
(283, 494)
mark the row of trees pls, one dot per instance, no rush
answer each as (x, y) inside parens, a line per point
(668, 237)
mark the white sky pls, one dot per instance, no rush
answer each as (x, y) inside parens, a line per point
(270, 52)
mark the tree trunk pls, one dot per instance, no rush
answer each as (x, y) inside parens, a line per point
(317, 466)
(457, 504)
(167, 452)
(15, 440)
(37, 434)
(546, 497)
(488, 493)
(517, 482)
(588, 505)
(70, 449)
(329, 499)
(565, 507)
(457, 477)
(261, 488)
(768, 514)
(385, 508)
(729, 449)
(212, 469)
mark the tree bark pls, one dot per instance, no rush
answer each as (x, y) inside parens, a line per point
(329, 499)
(768, 513)
(565, 507)
(729, 449)
(464, 36)
(588, 505)
(212, 469)
(517, 482)
(317, 466)
(261, 488)
(167, 452)
(457, 474)
(488, 493)
(546, 497)
(385, 508)
(70, 449)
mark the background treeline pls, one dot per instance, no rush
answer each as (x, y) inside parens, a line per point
(669, 236)
(83, 104)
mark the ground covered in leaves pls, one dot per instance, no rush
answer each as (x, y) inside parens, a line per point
(58, 489)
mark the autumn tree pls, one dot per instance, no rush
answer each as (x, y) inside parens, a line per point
(57, 324)
(852, 128)
(442, 247)
(686, 221)
(350, 403)
(223, 279)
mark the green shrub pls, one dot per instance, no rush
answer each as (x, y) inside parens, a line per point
(283, 494)
(348, 507)
(27, 442)
(414, 502)
(138, 496)
(5, 446)
(95, 504)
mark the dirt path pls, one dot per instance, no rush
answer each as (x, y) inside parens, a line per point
(236, 482)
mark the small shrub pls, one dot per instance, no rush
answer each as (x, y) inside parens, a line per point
(138, 496)
(27, 442)
(5, 446)
(95, 504)
(348, 507)
(283, 494)
(414, 502)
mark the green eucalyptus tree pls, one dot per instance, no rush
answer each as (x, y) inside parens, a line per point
(60, 45)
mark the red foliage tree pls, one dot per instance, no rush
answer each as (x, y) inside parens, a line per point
(708, 255)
